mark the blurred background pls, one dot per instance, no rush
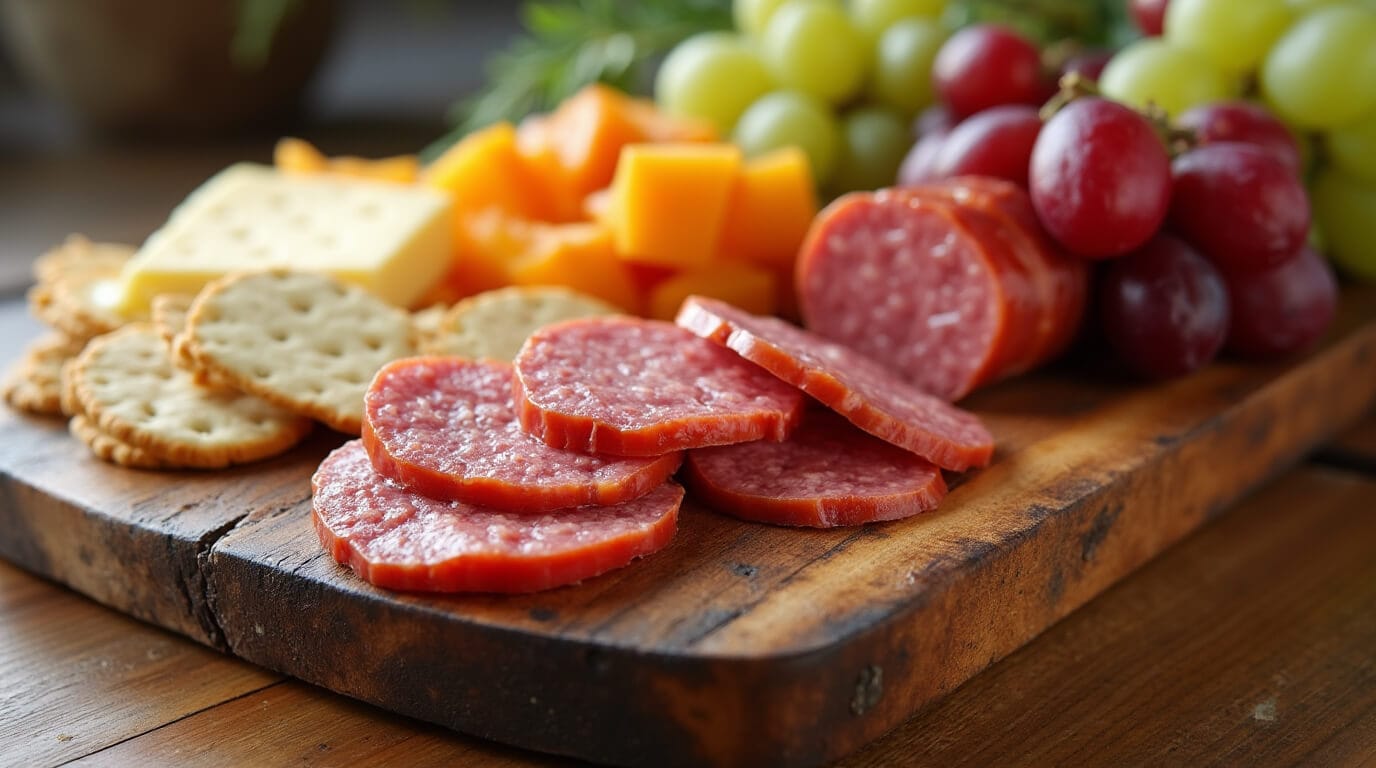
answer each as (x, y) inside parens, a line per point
(103, 130)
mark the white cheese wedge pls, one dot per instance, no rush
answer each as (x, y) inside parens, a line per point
(391, 239)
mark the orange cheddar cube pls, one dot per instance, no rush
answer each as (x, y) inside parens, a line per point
(401, 169)
(484, 170)
(772, 204)
(597, 206)
(579, 256)
(486, 244)
(579, 142)
(656, 126)
(300, 156)
(749, 287)
(669, 201)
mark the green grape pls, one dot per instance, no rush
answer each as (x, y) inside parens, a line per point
(1301, 7)
(784, 118)
(1236, 34)
(1352, 148)
(873, 17)
(813, 47)
(1345, 210)
(1320, 73)
(903, 57)
(752, 15)
(1174, 78)
(873, 143)
(713, 75)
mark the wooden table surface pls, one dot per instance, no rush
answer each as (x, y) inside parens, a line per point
(1253, 642)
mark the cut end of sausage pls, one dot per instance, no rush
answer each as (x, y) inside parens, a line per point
(866, 393)
(902, 283)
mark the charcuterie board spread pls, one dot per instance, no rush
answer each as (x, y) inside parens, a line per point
(739, 643)
(695, 432)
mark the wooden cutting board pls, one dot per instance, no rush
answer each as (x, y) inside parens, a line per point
(741, 644)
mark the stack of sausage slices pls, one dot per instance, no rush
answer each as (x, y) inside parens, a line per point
(477, 475)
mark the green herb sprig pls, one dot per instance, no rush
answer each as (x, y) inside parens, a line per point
(569, 44)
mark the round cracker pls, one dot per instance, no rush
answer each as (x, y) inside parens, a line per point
(126, 387)
(425, 323)
(304, 341)
(170, 311)
(112, 449)
(34, 383)
(494, 324)
(77, 299)
(77, 252)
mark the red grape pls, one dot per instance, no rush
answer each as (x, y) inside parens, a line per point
(996, 142)
(1089, 65)
(1284, 309)
(934, 119)
(986, 65)
(1149, 15)
(919, 166)
(1239, 205)
(1247, 123)
(1100, 178)
(1164, 308)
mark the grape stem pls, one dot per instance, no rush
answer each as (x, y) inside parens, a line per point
(1074, 86)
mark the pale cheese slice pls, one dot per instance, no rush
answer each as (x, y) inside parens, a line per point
(391, 239)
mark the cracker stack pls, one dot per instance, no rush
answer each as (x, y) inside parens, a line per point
(240, 371)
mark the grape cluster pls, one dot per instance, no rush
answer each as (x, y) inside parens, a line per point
(1202, 223)
(841, 81)
(1311, 62)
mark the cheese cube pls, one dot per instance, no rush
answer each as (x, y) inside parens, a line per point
(668, 202)
(391, 239)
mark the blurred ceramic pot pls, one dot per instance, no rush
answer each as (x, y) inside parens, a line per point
(168, 66)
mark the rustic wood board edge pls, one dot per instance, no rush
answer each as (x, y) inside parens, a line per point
(840, 688)
(101, 556)
(130, 539)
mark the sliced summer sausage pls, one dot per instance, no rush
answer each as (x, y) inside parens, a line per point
(632, 387)
(447, 427)
(827, 474)
(937, 289)
(398, 539)
(868, 394)
(1065, 278)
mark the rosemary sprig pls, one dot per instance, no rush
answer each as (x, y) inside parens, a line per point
(571, 43)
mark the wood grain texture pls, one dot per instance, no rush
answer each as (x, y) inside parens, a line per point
(296, 724)
(1252, 643)
(75, 678)
(749, 645)
(1145, 674)
(741, 644)
(130, 539)
(1355, 448)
